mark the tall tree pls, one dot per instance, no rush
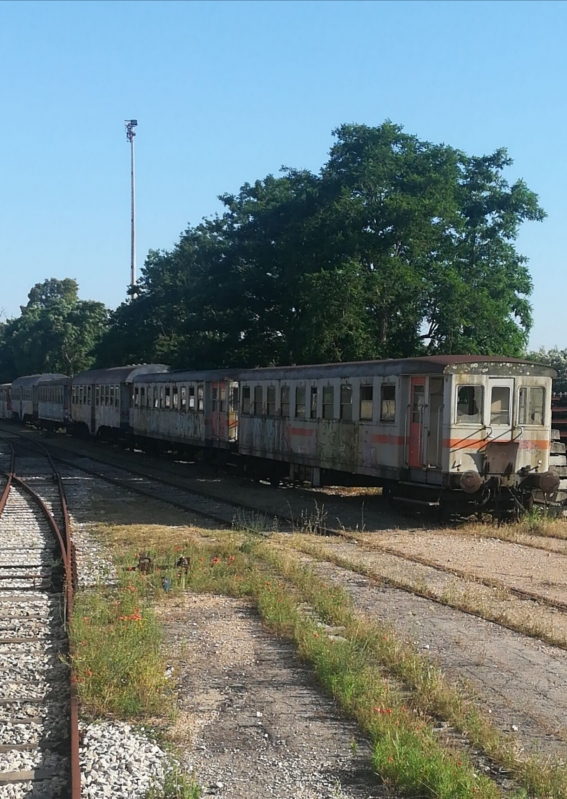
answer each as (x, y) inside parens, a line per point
(55, 332)
(396, 247)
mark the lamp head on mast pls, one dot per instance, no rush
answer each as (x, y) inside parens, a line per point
(130, 125)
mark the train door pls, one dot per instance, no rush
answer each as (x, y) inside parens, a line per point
(232, 412)
(501, 398)
(435, 423)
(416, 419)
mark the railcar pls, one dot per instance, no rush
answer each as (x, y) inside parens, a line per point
(101, 399)
(5, 401)
(54, 404)
(186, 410)
(25, 396)
(456, 431)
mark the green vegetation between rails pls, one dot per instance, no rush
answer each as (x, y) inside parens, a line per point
(395, 695)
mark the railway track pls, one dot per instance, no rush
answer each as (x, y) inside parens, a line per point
(225, 512)
(39, 744)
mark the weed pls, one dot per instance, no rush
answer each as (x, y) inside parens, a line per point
(176, 785)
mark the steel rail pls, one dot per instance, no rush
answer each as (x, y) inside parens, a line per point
(67, 553)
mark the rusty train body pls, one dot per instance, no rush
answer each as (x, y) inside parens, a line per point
(462, 432)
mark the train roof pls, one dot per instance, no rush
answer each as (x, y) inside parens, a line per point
(117, 374)
(34, 380)
(427, 364)
(184, 376)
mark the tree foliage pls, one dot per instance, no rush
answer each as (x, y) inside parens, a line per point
(55, 332)
(557, 359)
(396, 247)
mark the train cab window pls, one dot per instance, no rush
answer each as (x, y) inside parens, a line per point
(245, 399)
(313, 403)
(233, 399)
(387, 403)
(258, 392)
(500, 405)
(200, 397)
(531, 403)
(469, 404)
(168, 397)
(328, 402)
(366, 409)
(191, 398)
(215, 399)
(284, 401)
(175, 398)
(271, 401)
(300, 402)
(183, 398)
(346, 403)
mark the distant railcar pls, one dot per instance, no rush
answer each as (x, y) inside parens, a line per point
(5, 401)
(101, 399)
(54, 403)
(25, 396)
(186, 410)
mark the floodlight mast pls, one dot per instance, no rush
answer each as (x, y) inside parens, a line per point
(130, 134)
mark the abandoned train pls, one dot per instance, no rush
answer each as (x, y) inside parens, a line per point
(463, 432)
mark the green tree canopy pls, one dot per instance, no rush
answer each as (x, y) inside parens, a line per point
(396, 247)
(55, 332)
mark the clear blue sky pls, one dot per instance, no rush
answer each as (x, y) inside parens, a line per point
(227, 92)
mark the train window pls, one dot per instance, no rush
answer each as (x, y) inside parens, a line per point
(366, 397)
(245, 399)
(328, 402)
(111, 399)
(531, 406)
(271, 401)
(162, 397)
(89, 395)
(346, 403)
(168, 396)
(81, 394)
(300, 402)
(418, 404)
(214, 398)
(222, 401)
(156, 396)
(313, 403)
(142, 397)
(183, 398)
(97, 395)
(116, 396)
(200, 397)
(258, 392)
(387, 403)
(500, 405)
(284, 401)
(191, 398)
(469, 404)
(136, 397)
(73, 395)
(175, 397)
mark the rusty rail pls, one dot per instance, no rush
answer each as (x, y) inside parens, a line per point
(68, 556)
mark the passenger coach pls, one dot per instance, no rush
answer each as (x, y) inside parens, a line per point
(25, 395)
(430, 430)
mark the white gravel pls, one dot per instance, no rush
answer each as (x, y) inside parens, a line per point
(119, 762)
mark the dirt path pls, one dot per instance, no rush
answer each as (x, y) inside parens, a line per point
(252, 723)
